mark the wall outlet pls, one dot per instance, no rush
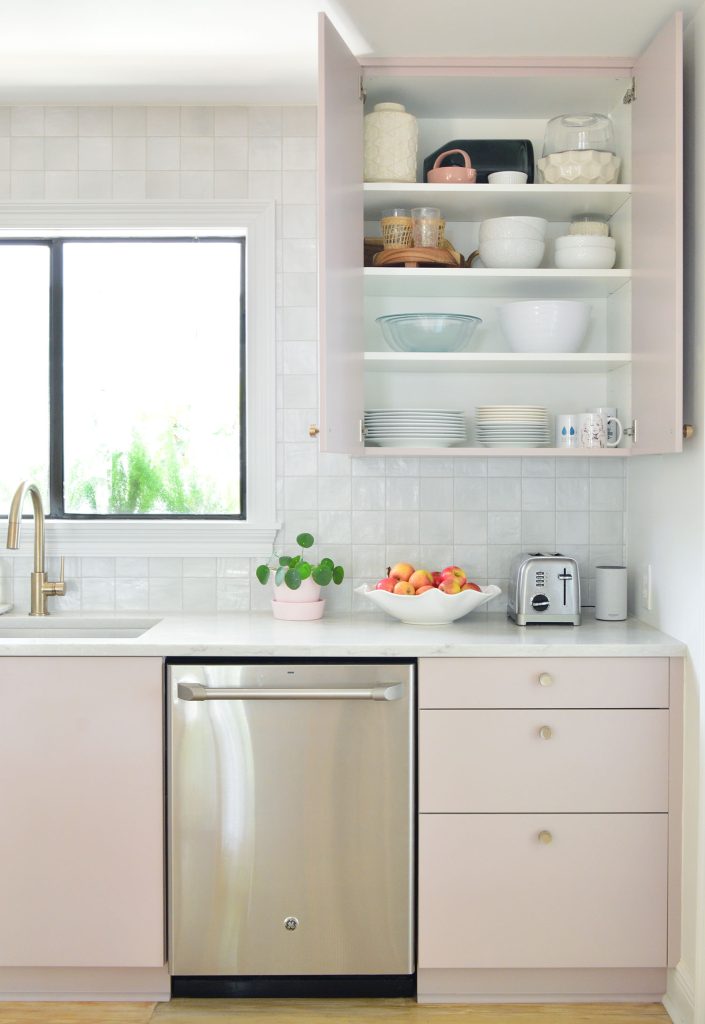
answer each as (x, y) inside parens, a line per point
(647, 594)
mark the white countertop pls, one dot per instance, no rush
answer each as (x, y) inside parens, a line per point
(257, 634)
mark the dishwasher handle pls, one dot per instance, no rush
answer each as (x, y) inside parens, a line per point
(195, 691)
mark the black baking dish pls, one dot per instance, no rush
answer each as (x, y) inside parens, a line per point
(487, 156)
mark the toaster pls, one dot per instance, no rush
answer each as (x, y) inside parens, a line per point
(544, 588)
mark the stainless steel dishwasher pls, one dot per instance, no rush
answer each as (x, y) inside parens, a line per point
(291, 826)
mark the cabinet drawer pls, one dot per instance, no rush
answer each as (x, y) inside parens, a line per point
(585, 761)
(491, 894)
(543, 682)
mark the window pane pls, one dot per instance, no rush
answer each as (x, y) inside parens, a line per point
(24, 344)
(152, 377)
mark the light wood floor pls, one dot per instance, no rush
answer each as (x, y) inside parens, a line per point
(324, 1011)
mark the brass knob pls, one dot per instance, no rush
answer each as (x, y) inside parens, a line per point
(545, 732)
(545, 679)
(313, 430)
(545, 838)
(688, 431)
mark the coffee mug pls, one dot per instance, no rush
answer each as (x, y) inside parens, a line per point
(609, 415)
(593, 431)
(568, 430)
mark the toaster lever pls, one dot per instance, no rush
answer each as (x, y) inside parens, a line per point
(565, 576)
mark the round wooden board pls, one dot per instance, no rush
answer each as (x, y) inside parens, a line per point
(415, 257)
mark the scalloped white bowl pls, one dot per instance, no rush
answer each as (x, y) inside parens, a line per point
(434, 608)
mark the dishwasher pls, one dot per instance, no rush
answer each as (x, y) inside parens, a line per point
(291, 827)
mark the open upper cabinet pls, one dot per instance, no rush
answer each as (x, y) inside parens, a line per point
(632, 356)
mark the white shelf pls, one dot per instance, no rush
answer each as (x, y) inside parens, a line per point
(493, 453)
(478, 202)
(443, 282)
(495, 362)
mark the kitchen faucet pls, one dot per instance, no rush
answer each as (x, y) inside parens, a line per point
(41, 587)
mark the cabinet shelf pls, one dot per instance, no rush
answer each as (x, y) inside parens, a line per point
(495, 362)
(493, 453)
(442, 282)
(478, 202)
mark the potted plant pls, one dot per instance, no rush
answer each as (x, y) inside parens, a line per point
(298, 582)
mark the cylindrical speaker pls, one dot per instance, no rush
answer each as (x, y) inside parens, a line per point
(610, 592)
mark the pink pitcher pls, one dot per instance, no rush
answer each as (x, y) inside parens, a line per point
(466, 175)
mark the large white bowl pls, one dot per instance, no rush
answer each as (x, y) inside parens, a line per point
(585, 259)
(520, 253)
(434, 608)
(585, 242)
(549, 325)
(514, 227)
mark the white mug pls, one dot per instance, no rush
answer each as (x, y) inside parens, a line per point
(593, 431)
(568, 430)
(609, 415)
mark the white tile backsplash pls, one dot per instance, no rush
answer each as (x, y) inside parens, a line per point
(366, 513)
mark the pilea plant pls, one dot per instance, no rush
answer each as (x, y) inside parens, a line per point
(292, 570)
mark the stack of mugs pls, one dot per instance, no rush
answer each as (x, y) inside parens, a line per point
(599, 428)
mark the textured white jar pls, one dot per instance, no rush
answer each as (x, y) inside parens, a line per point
(391, 143)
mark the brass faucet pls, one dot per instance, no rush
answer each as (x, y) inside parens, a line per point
(41, 587)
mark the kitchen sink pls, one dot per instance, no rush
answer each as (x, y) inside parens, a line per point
(58, 627)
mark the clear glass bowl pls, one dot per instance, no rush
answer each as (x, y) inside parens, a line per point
(428, 332)
(579, 131)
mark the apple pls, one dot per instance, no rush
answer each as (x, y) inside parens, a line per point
(388, 583)
(437, 578)
(404, 587)
(421, 578)
(402, 571)
(471, 586)
(454, 572)
(449, 585)
(422, 590)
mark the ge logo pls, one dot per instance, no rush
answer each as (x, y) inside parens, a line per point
(291, 923)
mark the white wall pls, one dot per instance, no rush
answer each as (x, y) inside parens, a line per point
(666, 523)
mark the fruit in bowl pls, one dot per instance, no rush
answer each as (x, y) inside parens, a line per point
(428, 598)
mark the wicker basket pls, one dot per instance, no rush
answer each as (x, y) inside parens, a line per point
(396, 232)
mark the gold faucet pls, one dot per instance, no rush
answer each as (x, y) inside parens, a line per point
(41, 587)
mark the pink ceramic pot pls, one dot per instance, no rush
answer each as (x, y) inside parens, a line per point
(306, 594)
(304, 611)
(466, 175)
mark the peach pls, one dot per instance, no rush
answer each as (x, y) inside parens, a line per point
(449, 585)
(388, 583)
(471, 586)
(404, 587)
(421, 578)
(454, 572)
(402, 571)
(422, 590)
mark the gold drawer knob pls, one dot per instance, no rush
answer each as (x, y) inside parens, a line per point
(545, 837)
(313, 430)
(545, 679)
(545, 732)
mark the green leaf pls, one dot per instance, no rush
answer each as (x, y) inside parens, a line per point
(280, 574)
(338, 575)
(304, 569)
(293, 579)
(327, 563)
(262, 573)
(305, 540)
(294, 561)
(322, 575)
(284, 560)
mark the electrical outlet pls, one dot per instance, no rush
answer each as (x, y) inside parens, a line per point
(647, 597)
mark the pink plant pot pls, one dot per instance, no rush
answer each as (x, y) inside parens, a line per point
(304, 611)
(306, 594)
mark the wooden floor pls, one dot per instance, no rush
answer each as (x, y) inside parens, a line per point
(325, 1011)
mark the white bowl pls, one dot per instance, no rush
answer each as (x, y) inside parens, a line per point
(514, 227)
(579, 167)
(434, 608)
(550, 325)
(585, 242)
(508, 178)
(523, 253)
(585, 259)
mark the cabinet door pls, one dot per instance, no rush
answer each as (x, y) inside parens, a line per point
(81, 805)
(491, 894)
(657, 232)
(340, 286)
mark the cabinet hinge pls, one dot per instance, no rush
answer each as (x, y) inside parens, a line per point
(630, 94)
(363, 430)
(631, 432)
(363, 94)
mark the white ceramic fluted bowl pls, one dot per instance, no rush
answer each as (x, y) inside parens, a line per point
(434, 608)
(548, 325)
(514, 227)
(514, 253)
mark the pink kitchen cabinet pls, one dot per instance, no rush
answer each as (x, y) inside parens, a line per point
(632, 358)
(82, 810)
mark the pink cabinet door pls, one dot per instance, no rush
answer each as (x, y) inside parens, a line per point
(81, 805)
(525, 761)
(341, 219)
(492, 894)
(657, 244)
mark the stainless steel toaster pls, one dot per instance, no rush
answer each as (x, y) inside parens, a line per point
(544, 588)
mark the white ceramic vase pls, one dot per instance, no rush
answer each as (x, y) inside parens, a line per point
(391, 143)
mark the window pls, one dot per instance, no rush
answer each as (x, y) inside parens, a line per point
(153, 340)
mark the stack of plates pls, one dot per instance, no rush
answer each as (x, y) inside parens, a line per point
(414, 428)
(513, 426)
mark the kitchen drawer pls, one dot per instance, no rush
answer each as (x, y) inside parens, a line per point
(543, 682)
(585, 761)
(493, 895)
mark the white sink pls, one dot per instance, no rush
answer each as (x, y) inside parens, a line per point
(57, 627)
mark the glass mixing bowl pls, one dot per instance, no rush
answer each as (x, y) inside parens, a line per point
(428, 332)
(579, 131)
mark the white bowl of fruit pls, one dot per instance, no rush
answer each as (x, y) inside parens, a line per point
(428, 598)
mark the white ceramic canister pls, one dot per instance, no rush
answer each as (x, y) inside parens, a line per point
(391, 143)
(610, 592)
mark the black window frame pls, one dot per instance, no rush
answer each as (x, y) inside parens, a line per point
(56, 374)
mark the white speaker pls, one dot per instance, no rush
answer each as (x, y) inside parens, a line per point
(610, 592)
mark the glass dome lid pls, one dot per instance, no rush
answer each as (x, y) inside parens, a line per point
(579, 132)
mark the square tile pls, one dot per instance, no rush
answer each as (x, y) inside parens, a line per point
(166, 567)
(368, 493)
(60, 121)
(401, 466)
(472, 558)
(230, 185)
(197, 153)
(436, 467)
(606, 528)
(95, 121)
(470, 467)
(299, 187)
(236, 568)
(129, 185)
(201, 595)
(264, 154)
(27, 120)
(300, 121)
(230, 154)
(334, 492)
(504, 528)
(503, 467)
(469, 528)
(538, 467)
(26, 154)
(163, 153)
(98, 567)
(470, 493)
(265, 121)
(538, 494)
(230, 121)
(299, 220)
(264, 185)
(538, 530)
(129, 154)
(572, 494)
(163, 121)
(572, 528)
(131, 594)
(614, 467)
(196, 121)
(27, 184)
(199, 567)
(606, 494)
(573, 465)
(61, 153)
(368, 527)
(95, 185)
(503, 493)
(97, 594)
(166, 595)
(436, 527)
(331, 464)
(300, 493)
(162, 184)
(334, 527)
(129, 121)
(196, 184)
(402, 494)
(369, 560)
(131, 567)
(95, 153)
(402, 527)
(299, 154)
(500, 558)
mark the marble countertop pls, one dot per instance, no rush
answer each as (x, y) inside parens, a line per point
(257, 634)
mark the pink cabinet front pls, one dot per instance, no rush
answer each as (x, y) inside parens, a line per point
(81, 805)
(542, 890)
